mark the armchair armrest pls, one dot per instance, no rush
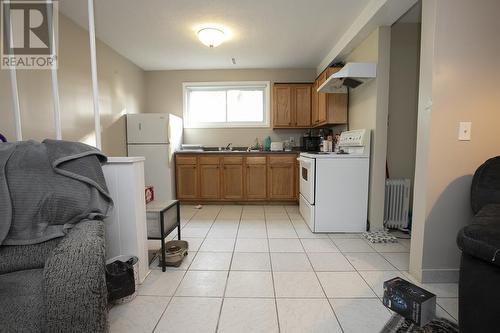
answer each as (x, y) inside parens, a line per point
(75, 294)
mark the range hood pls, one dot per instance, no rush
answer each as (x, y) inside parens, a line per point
(352, 75)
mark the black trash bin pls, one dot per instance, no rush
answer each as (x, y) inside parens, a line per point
(121, 279)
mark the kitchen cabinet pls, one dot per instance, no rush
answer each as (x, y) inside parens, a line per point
(256, 178)
(328, 109)
(314, 104)
(209, 177)
(186, 175)
(292, 105)
(236, 177)
(282, 105)
(232, 178)
(281, 177)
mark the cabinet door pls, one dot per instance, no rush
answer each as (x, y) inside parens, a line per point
(322, 98)
(337, 108)
(256, 178)
(314, 104)
(209, 181)
(187, 181)
(232, 178)
(302, 103)
(282, 105)
(281, 177)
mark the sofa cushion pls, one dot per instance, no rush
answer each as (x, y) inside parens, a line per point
(21, 257)
(21, 301)
(485, 187)
(481, 239)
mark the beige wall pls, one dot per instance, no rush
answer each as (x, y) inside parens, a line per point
(121, 88)
(164, 94)
(368, 107)
(458, 82)
(403, 100)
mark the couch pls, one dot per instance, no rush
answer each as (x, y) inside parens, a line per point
(55, 286)
(479, 285)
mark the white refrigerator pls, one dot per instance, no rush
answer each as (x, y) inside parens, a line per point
(156, 136)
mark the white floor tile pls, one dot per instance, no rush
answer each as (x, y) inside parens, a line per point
(344, 236)
(344, 285)
(217, 245)
(139, 315)
(400, 260)
(297, 285)
(249, 315)
(249, 284)
(211, 261)
(441, 313)
(376, 279)
(353, 245)
(390, 248)
(159, 283)
(285, 231)
(319, 245)
(303, 231)
(251, 245)
(248, 261)
(193, 232)
(285, 245)
(360, 315)
(249, 231)
(447, 290)
(369, 262)
(450, 305)
(193, 243)
(223, 231)
(290, 262)
(329, 262)
(203, 283)
(306, 316)
(190, 315)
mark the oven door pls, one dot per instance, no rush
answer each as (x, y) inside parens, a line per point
(307, 181)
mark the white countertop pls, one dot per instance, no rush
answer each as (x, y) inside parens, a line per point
(125, 159)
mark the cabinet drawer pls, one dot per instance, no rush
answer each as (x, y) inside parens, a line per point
(256, 160)
(209, 160)
(233, 160)
(287, 159)
(185, 159)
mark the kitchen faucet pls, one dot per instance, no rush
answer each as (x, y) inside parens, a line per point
(228, 147)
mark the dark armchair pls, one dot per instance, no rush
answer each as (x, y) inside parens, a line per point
(479, 286)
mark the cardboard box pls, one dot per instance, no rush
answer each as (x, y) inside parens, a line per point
(409, 300)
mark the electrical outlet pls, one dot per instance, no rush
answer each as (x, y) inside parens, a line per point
(291, 139)
(464, 131)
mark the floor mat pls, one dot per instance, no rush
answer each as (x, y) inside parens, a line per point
(398, 324)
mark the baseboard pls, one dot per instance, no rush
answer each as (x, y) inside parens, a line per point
(440, 275)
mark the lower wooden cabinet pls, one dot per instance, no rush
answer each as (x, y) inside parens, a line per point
(281, 181)
(232, 182)
(187, 181)
(256, 178)
(237, 178)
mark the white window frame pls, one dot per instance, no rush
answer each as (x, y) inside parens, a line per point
(266, 123)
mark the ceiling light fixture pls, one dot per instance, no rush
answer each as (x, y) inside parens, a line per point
(211, 37)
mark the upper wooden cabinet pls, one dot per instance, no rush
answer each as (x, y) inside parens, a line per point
(291, 105)
(328, 108)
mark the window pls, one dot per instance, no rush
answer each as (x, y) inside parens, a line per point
(226, 104)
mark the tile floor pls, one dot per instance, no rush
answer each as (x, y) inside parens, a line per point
(260, 269)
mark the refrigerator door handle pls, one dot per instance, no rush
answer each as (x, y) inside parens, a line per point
(140, 126)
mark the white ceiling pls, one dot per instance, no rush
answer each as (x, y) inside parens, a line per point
(161, 34)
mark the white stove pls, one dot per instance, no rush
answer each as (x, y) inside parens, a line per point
(334, 186)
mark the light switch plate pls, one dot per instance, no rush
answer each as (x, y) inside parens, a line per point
(464, 131)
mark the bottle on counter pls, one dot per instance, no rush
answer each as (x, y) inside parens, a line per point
(267, 143)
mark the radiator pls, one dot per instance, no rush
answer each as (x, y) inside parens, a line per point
(397, 202)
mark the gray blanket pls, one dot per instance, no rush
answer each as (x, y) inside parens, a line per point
(45, 188)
